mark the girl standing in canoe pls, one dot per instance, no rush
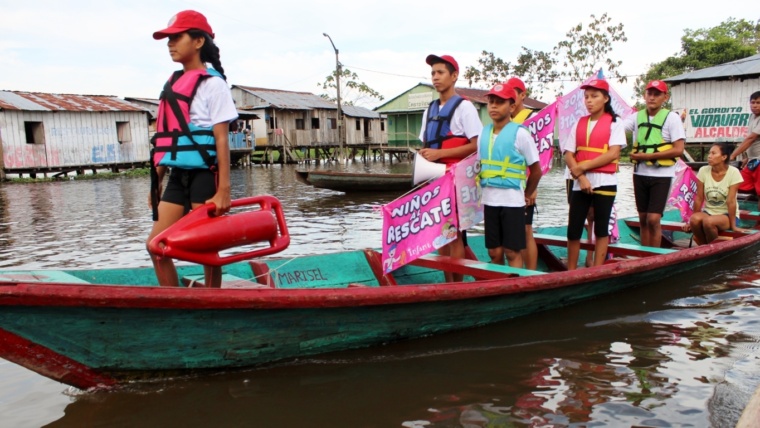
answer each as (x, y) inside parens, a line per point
(191, 137)
(592, 151)
(717, 187)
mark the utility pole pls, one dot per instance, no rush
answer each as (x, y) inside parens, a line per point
(340, 109)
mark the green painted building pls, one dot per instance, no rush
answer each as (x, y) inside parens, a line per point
(404, 112)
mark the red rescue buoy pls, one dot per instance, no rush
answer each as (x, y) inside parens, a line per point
(199, 236)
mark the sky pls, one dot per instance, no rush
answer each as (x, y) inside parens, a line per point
(103, 47)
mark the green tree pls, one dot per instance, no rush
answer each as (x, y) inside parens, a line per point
(729, 41)
(584, 50)
(352, 90)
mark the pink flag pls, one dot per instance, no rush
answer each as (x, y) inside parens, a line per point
(419, 222)
(683, 190)
(572, 107)
(541, 127)
(469, 208)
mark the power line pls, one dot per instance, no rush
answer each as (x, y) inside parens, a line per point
(384, 72)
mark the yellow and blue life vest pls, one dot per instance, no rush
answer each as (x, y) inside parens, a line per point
(501, 165)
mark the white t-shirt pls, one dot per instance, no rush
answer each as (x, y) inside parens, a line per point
(465, 121)
(753, 152)
(672, 130)
(501, 197)
(212, 103)
(617, 138)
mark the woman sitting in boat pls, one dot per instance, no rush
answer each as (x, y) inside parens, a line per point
(592, 151)
(717, 187)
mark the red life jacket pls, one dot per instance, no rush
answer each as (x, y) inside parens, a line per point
(590, 146)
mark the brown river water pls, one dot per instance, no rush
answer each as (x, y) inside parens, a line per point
(682, 352)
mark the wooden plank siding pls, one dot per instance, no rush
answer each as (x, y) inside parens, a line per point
(301, 119)
(72, 139)
(714, 110)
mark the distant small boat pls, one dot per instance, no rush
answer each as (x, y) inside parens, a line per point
(356, 181)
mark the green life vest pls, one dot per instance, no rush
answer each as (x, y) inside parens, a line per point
(649, 137)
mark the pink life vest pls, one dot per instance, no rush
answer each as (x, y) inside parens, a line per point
(177, 142)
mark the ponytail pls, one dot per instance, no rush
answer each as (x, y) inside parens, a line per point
(209, 51)
(608, 106)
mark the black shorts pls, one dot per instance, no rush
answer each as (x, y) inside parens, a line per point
(529, 211)
(569, 188)
(601, 200)
(504, 227)
(651, 193)
(189, 186)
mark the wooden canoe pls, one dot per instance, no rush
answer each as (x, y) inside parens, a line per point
(356, 181)
(105, 328)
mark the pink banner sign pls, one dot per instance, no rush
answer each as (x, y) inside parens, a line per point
(683, 190)
(419, 222)
(541, 127)
(572, 107)
(469, 208)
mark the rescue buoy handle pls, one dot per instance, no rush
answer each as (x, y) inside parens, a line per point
(200, 235)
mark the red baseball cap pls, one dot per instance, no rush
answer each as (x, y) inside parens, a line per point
(503, 91)
(597, 84)
(183, 21)
(516, 83)
(445, 58)
(658, 84)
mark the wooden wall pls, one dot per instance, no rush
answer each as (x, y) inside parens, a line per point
(714, 110)
(72, 139)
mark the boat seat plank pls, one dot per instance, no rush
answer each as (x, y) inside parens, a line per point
(474, 268)
(322, 271)
(228, 281)
(677, 226)
(619, 248)
(375, 260)
(40, 276)
(749, 215)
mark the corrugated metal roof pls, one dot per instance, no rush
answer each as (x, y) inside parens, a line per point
(289, 100)
(356, 111)
(153, 107)
(37, 101)
(744, 67)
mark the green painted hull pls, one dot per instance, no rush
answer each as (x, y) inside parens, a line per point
(100, 328)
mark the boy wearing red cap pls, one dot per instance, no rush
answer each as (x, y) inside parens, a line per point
(506, 151)
(751, 145)
(519, 115)
(450, 129)
(659, 138)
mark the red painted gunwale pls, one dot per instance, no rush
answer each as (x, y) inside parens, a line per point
(48, 363)
(92, 295)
